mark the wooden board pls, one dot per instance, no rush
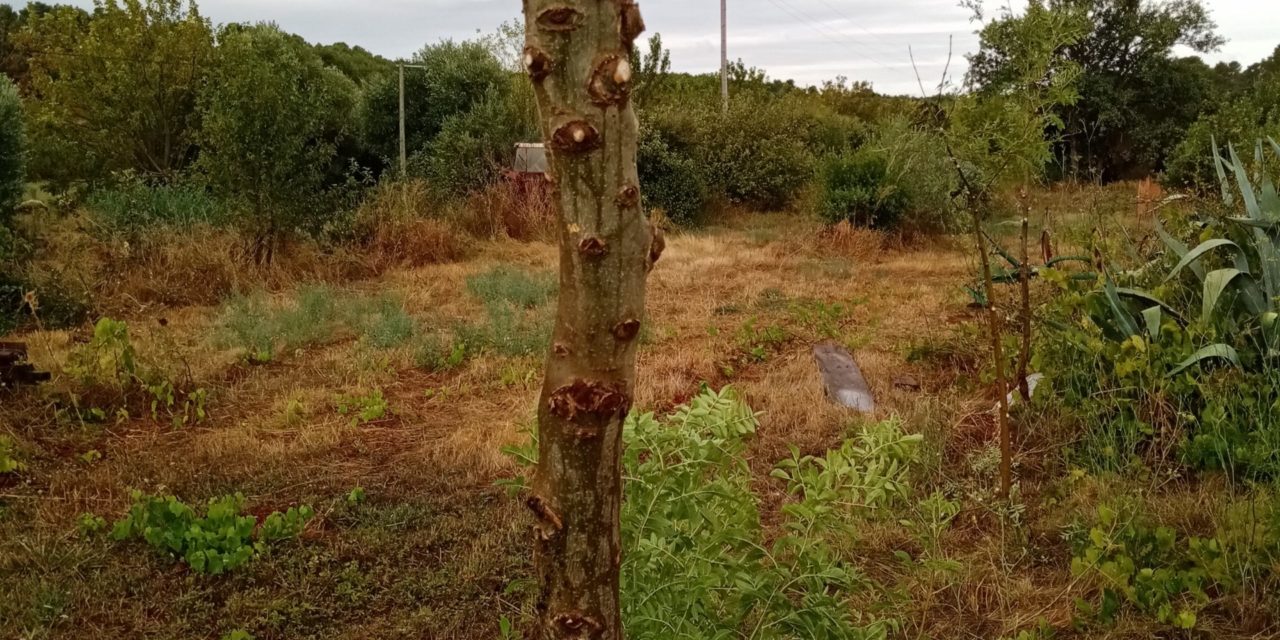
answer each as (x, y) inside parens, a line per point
(842, 379)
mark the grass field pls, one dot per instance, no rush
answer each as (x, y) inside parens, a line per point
(432, 549)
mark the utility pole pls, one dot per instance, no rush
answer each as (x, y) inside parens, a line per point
(404, 158)
(404, 154)
(724, 55)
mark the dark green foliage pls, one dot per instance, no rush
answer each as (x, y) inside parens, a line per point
(457, 76)
(756, 155)
(670, 179)
(356, 63)
(273, 116)
(13, 150)
(1246, 110)
(117, 91)
(474, 146)
(1135, 98)
(218, 540)
(857, 187)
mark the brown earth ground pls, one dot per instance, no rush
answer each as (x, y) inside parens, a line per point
(436, 551)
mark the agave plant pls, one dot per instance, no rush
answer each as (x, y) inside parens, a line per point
(1240, 299)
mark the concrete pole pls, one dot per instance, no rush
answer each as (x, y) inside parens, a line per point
(404, 156)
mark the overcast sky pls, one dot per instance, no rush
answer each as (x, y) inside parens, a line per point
(805, 40)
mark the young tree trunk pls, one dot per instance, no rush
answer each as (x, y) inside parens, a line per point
(1024, 281)
(577, 56)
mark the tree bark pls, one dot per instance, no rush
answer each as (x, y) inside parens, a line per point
(577, 56)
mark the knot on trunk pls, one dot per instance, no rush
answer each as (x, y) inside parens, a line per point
(575, 136)
(561, 350)
(593, 247)
(549, 523)
(611, 81)
(559, 18)
(576, 626)
(589, 397)
(631, 25)
(628, 196)
(627, 330)
(537, 63)
(657, 245)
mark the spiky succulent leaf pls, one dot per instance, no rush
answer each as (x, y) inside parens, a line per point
(1212, 352)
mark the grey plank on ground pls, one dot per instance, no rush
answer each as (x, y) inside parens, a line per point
(842, 379)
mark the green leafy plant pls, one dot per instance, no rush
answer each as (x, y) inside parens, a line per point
(8, 462)
(212, 540)
(756, 342)
(433, 353)
(89, 524)
(697, 563)
(364, 408)
(857, 187)
(111, 378)
(1140, 565)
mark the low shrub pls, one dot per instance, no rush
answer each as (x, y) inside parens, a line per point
(317, 316)
(133, 206)
(213, 540)
(857, 188)
(9, 462)
(512, 286)
(1154, 570)
(671, 180)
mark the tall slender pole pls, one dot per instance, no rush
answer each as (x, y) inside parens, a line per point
(404, 156)
(724, 55)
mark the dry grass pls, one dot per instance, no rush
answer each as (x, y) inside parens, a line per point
(437, 545)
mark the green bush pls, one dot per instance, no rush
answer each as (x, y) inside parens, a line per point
(857, 187)
(457, 77)
(134, 206)
(670, 179)
(474, 146)
(13, 150)
(218, 540)
(756, 155)
(272, 119)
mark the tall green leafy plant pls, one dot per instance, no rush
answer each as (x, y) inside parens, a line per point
(696, 563)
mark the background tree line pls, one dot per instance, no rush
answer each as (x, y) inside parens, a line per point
(277, 136)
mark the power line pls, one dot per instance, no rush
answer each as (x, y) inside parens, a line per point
(855, 25)
(822, 31)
